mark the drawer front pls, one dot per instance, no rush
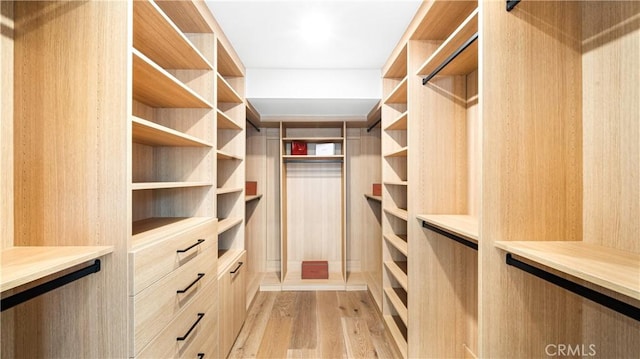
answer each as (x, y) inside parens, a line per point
(232, 301)
(196, 325)
(155, 306)
(153, 262)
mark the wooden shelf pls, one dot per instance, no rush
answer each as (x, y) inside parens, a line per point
(186, 15)
(155, 35)
(399, 93)
(226, 93)
(398, 68)
(225, 122)
(228, 223)
(399, 153)
(458, 224)
(466, 62)
(441, 19)
(400, 213)
(252, 198)
(220, 191)
(22, 265)
(395, 183)
(227, 257)
(155, 87)
(398, 124)
(399, 271)
(226, 156)
(609, 268)
(396, 334)
(151, 134)
(314, 139)
(398, 241)
(311, 158)
(151, 229)
(394, 297)
(226, 65)
(164, 185)
(372, 197)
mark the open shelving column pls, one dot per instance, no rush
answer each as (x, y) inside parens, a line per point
(230, 124)
(395, 150)
(313, 194)
(444, 205)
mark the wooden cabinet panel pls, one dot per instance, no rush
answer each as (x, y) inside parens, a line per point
(190, 332)
(152, 262)
(233, 308)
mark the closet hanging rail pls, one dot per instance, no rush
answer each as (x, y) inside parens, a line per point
(452, 236)
(446, 62)
(43, 288)
(253, 125)
(374, 125)
(511, 4)
(588, 293)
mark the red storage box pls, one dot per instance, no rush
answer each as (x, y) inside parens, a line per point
(251, 188)
(298, 148)
(315, 270)
(377, 189)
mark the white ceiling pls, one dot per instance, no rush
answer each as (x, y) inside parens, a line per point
(330, 35)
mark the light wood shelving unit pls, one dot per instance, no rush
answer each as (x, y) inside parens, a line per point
(395, 151)
(321, 181)
(63, 182)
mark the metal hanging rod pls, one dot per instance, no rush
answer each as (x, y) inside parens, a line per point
(43, 288)
(253, 125)
(374, 125)
(588, 293)
(446, 62)
(511, 4)
(452, 236)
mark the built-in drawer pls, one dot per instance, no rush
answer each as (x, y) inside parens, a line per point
(190, 333)
(155, 306)
(152, 262)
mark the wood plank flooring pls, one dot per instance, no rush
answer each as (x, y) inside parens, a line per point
(313, 325)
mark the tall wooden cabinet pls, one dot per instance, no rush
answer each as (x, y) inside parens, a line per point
(523, 199)
(117, 120)
(64, 185)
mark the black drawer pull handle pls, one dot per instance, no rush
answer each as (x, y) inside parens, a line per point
(191, 246)
(200, 315)
(237, 268)
(200, 355)
(200, 275)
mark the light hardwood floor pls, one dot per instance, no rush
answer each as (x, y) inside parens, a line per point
(313, 325)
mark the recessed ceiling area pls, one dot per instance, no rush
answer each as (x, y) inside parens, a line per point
(313, 59)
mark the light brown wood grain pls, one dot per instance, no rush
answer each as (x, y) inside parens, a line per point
(226, 93)
(399, 94)
(189, 16)
(156, 36)
(462, 225)
(331, 343)
(151, 134)
(69, 175)
(248, 341)
(6, 130)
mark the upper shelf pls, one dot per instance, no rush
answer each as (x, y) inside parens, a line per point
(221, 155)
(167, 185)
(399, 93)
(398, 212)
(606, 267)
(226, 122)
(458, 224)
(441, 18)
(311, 158)
(151, 134)
(186, 15)
(155, 87)
(226, 93)
(22, 265)
(226, 65)
(398, 68)
(399, 123)
(313, 139)
(155, 35)
(464, 63)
